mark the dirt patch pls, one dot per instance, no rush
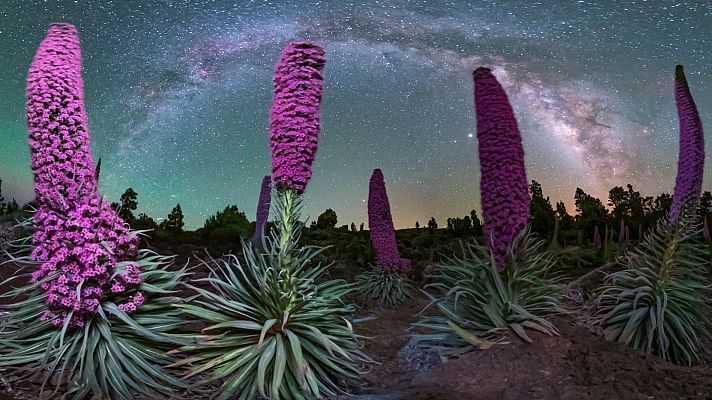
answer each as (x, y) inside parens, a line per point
(576, 365)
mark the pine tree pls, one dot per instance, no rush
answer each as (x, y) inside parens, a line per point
(543, 217)
(229, 224)
(128, 205)
(432, 225)
(174, 222)
(143, 221)
(476, 223)
(327, 220)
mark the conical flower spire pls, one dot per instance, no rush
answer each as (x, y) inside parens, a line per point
(58, 133)
(503, 186)
(263, 205)
(380, 225)
(691, 160)
(621, 233)
(295, 117)
(79, 240)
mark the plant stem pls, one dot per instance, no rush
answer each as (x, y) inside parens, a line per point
(287, 226)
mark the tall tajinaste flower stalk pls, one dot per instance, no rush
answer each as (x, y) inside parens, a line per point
(596, 238)
(503, 185)
(294, 133)
(79, 240)
(380, 225)
(295, 117)
(691, 160)
(621, 233)
(263, 204)
(58, 134)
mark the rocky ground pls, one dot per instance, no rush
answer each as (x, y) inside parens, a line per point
(578, 364)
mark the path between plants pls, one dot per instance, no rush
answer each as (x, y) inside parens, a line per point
(576, 365)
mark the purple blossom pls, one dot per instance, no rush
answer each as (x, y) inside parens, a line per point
(380, 225)
(596, 238)
(503, 185)
(85, 250)
(262, 210)
(294, 120)
(691, 160)
(58, 134)
(81, 248)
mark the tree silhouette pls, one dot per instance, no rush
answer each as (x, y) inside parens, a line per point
(228, 224)
(353, 227)
(543, 217)
(617, 199)
(128, 205)
(476, 223)
(566, 221)
(432, 225)
(174, 222)
(327, 219)
(657, 208)
(143, 221)
(591, 212)
(417, 226)
(466, 226)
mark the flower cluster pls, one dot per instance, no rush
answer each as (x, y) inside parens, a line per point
(294, 119)
(503, 186)
(263, 204)
(58, 134)
(380, 225)
(86, 252)
(691, 160)
(84, 248)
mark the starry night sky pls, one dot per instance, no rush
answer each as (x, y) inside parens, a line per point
(178, 96)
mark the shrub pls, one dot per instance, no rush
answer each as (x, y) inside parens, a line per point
(276, 329)
(114, 354)
(479, 303)
(383, 288)
(657, 303)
